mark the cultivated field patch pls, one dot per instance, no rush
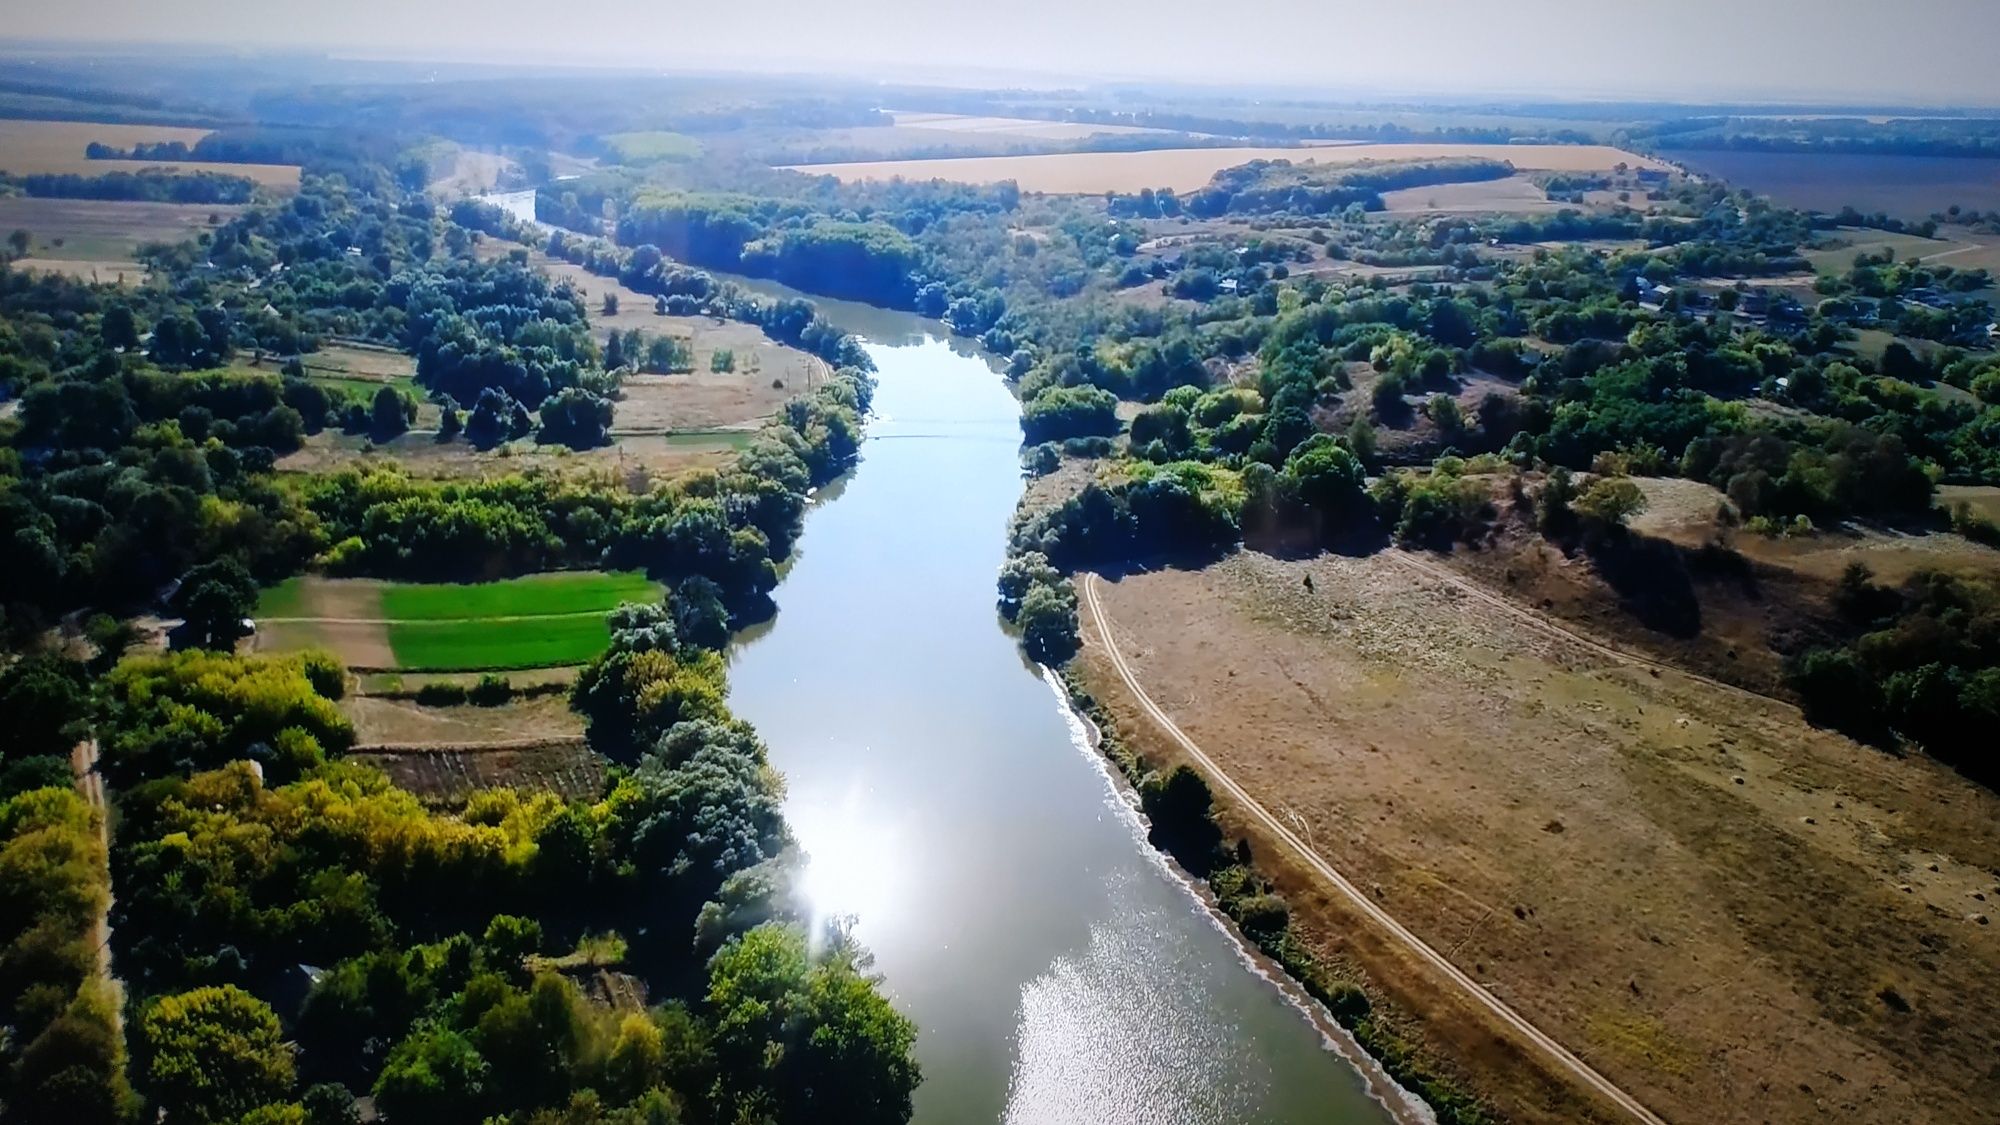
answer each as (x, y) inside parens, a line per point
(1188, 169)
(543, 620)
(58, 146)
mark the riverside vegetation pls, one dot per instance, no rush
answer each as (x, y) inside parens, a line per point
(291, 930)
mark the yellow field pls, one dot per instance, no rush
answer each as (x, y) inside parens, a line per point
(1189, 169)
(27, 147)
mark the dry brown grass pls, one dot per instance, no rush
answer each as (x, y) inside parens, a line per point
(58, 146)
(82, 236)
(1515, 195)
(636, 458)
(1731, 914)
(1189, 169)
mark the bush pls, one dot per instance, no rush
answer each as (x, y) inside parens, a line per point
(491, 691)
(440, 693)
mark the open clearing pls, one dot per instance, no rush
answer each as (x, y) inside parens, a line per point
(447, 774)
(1189, 169)
(543, 620)
(1516, 195)
(1728, 913)
(58, 146)
(82, 236)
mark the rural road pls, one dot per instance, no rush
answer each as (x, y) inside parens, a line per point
(90, 783)
(1559, 1054)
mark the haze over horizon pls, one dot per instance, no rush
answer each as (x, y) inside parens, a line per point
(1835, 51)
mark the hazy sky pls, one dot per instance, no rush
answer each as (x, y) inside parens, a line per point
(1942, 51)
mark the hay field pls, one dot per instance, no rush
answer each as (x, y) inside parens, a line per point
(1733, 915)
(100, 238)
(58, 146)
(1189, 169)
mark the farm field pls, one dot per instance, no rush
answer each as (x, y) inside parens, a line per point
(58, 146)
(448, 775)
(77, 236)
(1908, 187)
(1729, 913)
(1026, 128)
(543, 620)
(1514, 195)
(653, 147)
(637, 458)
(1188, 169)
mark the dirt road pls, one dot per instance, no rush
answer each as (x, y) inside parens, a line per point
(1506, 1015)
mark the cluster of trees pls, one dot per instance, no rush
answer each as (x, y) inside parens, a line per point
(146, 187)
(1280, 186)
(62, 1057)
(1923, 664)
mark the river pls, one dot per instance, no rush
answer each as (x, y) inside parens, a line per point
(1058, 970)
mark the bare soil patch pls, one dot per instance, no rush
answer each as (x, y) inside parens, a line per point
(1731, 914)
(1086, 173)
(400, 722)
(449, 775)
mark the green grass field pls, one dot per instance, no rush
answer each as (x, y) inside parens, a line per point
(458, 645)
(364, 389)
(652, 147)
(286, 599)
(540, 595)
(539, 621)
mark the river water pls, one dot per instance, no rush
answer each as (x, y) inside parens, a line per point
(1057, 969)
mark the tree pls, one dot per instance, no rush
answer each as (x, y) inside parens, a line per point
(1610, 501)
(213, 1055)
(436, 1075)
(18, 241)
(492, 420)
(807, 1036)
(1327, 476)
(389, 415)
(214, 599)
(450, 423)
(120, 328)
(1048, 622)
(47, 703)
(576, 418)
(610, 305)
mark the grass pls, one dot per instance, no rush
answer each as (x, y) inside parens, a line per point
(104, 230)
(493, 644)
(365, 388)
(286, 599)
(653, 147)
(541, 595)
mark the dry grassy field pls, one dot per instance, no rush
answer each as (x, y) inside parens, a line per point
(1515, 195)
(446, 775)
(58, 146)
(1188, 169)
(80, 237)
(1732, 915)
